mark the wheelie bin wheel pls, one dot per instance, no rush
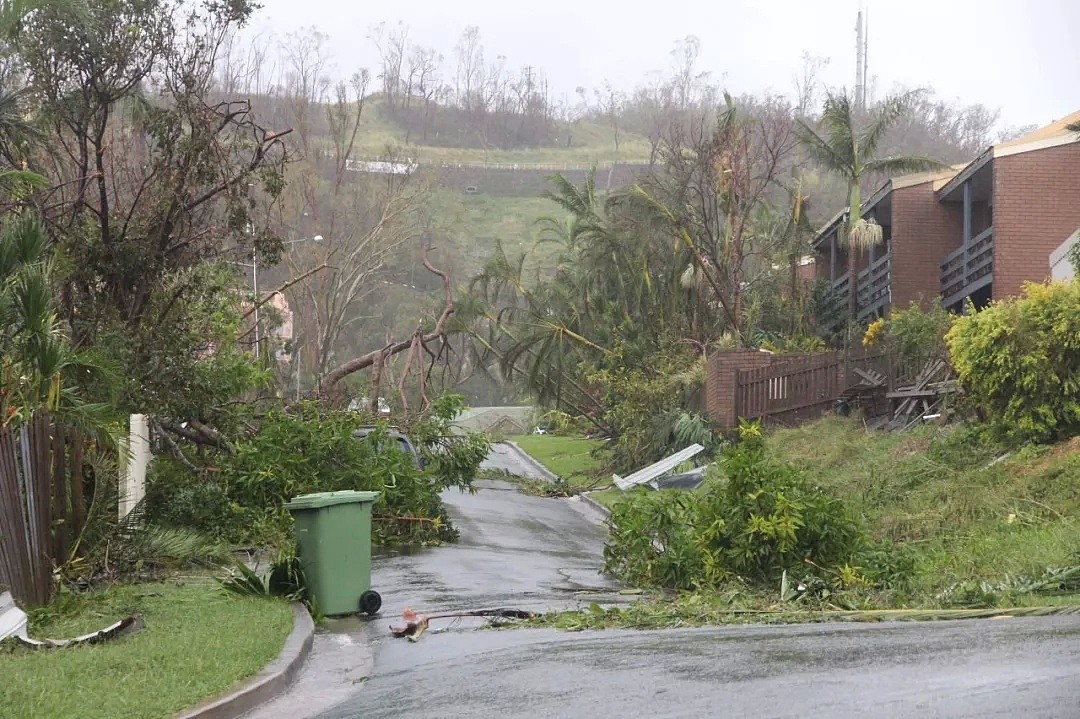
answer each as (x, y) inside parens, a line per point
(370, 602)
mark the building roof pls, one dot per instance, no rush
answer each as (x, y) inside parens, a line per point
(948, 179)
(1052, 135)
(938, 177)
(1037, 139)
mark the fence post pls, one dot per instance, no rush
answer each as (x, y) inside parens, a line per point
(134, 459)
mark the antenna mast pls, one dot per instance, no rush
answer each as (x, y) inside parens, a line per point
(860, 58)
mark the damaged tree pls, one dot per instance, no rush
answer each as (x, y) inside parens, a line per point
(421, 339)
(154, 182)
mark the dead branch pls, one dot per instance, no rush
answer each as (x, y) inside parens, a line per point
(376, 380)
(281, 289)
(405, 371)
(367, 360)
(199, 434)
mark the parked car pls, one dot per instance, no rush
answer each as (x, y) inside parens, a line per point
(404, 444)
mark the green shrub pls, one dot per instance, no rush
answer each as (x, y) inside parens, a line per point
(912, 336)
(243, 499)
(753, 518)
(1019, 361)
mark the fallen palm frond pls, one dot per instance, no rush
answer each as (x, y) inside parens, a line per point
(113, 631)
(416, 624)
(285, 579)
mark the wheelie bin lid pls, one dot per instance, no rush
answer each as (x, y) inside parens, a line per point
(318, 500)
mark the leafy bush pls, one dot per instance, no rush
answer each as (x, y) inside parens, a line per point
(645, 407)
(913, 336)
(753, 518)
(1019, 361)
(243, 500)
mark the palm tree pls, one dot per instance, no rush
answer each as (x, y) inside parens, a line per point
(14, 13)
(849, 151)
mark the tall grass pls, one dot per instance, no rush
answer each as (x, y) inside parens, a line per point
(971, 509)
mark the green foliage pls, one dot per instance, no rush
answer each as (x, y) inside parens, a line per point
(645, 407)
(243, 500)
(915, 336)
(38, 367)
(953, 505)
(1074, 254)
(1019, 361)
(753, 519)
(190, 362)
(285, 579)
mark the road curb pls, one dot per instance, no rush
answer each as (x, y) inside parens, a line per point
(268, 683)
(595, 505)
(526, 458)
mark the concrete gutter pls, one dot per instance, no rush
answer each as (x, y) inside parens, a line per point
(268, 683)
(595, 505)
(526, 458)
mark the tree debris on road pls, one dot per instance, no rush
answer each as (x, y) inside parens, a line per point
(416, 624)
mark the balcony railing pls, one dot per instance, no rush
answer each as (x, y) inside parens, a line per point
(875, 284)
(968, 268)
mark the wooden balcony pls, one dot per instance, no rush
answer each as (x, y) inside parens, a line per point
(875, 288)
(968, 268)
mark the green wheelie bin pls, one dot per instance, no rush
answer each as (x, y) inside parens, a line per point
(333, 536)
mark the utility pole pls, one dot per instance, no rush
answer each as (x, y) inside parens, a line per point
(255, 283)
(860, 58)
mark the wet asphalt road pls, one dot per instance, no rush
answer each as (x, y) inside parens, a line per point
(534, 553)
(1003, 668)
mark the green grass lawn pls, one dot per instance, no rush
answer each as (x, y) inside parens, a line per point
(569, 457)
(197, 642)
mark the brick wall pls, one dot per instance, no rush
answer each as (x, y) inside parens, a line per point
(720, 382)
(923, 232)
(1036, 205)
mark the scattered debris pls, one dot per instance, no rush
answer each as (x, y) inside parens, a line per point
(416, 624)
(113, 631)
(13, 624)
(12, 619)
(653, 471)
(922, 400)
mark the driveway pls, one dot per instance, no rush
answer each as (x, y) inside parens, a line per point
(515, 551)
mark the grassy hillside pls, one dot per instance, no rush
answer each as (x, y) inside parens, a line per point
(965, 508)
(474, 223)
(580, 144)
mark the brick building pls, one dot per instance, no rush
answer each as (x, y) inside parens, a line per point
(975, 231)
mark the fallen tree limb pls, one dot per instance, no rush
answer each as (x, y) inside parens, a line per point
(175, 448)
(416, 624)
(198, 433)
(287, 285)
(328, 380)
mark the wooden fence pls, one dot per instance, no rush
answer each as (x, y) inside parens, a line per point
(789, 392)
(42, 507)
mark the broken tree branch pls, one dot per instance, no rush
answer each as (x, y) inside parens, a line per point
(287, 285)
(327, 381)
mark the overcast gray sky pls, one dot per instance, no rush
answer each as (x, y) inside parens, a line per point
(1020, 57)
